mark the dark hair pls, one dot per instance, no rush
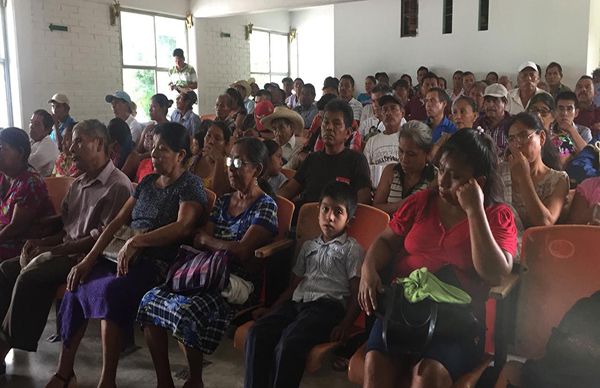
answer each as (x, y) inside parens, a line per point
(382, 88)
(201, 132)
(466, 73)
(401, 83)
(341, 193)
(324, 100)
(272, 146)
(422, 68)
(567, 96)
(190, 98)
(550, 154)
(257, 153)
(544, 98)
(539, 69)
(442, 95)
(264, 93)
(382, 74)
(371, 78)
(429, 75)
(238, 101)
(479, 152)
(339, 105)
(47, 119)
(176, 137)
(288, 80)
(458, 72)
(228, 99)
(442, 79)
(227, 133)
(299, 79)
(119, 132)
(162, 101)
(17, 139)
(406, 76)
(468, 100)
(348, 77)
(178, 53)
(492, 73)
(585, 77)
(557, 65)
(311, 88)
(596, 72)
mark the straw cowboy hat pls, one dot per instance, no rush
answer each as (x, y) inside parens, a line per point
(244, 84)
(283, 112)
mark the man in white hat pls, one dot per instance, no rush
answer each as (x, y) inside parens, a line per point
(495, 117)
(60, 113)
(527, 82)
(284, 122)
(121, 105)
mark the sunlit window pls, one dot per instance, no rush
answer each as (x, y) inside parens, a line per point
(269, 56)
(6, 116)
(148, 42)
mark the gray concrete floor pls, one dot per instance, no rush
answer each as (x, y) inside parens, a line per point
(226, 368)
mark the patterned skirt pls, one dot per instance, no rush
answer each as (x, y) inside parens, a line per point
(198, 321)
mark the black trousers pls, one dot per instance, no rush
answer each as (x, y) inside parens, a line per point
(278, 344)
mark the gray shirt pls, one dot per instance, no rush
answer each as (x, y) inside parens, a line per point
(327, 268)
(91, 204)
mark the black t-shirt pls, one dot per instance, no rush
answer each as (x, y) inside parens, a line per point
(320, 168)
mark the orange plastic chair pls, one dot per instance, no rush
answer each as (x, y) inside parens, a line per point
(367, 224)
(58, 186)
(288, 172)
(208, 117)
(562, 267)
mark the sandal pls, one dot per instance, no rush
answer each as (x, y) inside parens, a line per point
(70, 382)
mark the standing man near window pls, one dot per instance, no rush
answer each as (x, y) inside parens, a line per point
(183, 76)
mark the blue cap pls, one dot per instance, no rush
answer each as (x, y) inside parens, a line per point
(121, 95)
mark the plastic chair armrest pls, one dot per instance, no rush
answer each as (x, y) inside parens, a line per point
(503, 290)
(272, 248)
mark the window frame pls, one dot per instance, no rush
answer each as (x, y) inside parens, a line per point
(447, 16)
(5, 61)
(406, 16)
(271, 74)
(483, 21)
(156, 68)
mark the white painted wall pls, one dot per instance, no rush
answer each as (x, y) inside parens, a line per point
(219, 8)
(315, 32)
(84, 63)
(222, 61)
(594, 37)
(367, 38)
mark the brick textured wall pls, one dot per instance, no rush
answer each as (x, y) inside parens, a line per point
(84, 63)
(221, 60)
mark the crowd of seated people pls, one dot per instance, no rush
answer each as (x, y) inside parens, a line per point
(476, 161)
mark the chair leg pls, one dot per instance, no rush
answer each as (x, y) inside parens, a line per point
(56, 336)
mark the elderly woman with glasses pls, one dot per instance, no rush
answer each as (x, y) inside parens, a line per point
(239, 223)
(536, 191)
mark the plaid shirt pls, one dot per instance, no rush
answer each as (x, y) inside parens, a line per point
(498, 132)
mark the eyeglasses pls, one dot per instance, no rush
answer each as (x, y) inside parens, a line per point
(235, 162)
(521, 138)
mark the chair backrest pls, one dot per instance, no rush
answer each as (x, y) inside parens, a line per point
(562, 267)
(285, 210)
(367, 224)
(288, 172)
(211, 197)
(58, 186)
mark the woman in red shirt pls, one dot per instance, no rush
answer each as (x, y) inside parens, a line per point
(473, 235)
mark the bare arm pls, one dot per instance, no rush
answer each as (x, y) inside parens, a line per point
(378, 256)
(340, 332)
(290, 189)
(19, 224)
(383, 192)
(364, 195)
(580, 212)
(255, 237)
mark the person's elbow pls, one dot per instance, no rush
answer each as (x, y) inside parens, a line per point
(364, 196)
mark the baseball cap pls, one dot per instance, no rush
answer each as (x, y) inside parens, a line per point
(527, 64)
(121, 95)
(59, 98)
(496, 90)
(387, 98)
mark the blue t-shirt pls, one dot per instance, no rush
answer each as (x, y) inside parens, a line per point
(446, 126)
(262, 212)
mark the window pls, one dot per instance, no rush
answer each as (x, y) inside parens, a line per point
(484, 14)
(409, 11)
(447, 22)
(145, 66)
(6, 114)
(269, 56)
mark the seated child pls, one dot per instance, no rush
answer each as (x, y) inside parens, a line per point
(320, 303)
(274, 175)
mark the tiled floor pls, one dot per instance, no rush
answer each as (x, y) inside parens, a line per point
(226, 369)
